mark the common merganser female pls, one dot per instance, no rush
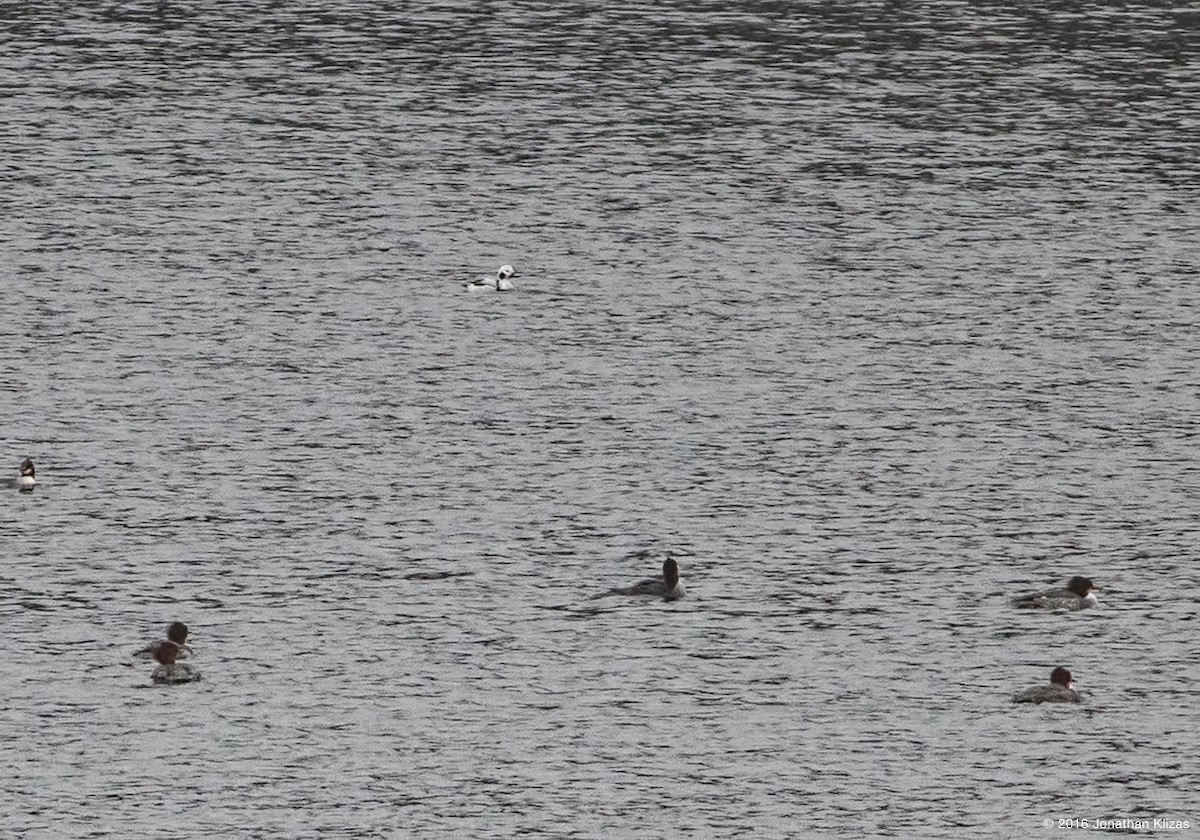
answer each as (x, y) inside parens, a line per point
(170, 672)
(177, 635)
(667, 587)
(1079, 594)
(26, 482)
(1060, 690)
(499, 283)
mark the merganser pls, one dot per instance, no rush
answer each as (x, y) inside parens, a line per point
(1079, 594)
(667, 587)
(1060, 690)
(170, 672)
(177, 635)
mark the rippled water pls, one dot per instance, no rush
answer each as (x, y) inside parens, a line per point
(873, 314)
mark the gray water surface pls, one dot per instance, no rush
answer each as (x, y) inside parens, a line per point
(872, 315)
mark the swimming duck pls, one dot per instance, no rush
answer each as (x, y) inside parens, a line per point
(26, 481)
(1060, 690)
(1078, 594)
(170, 672)
(667, 587)
(177, 634)
(499, 283)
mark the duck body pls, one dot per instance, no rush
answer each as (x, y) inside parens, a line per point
(174, 673)
(1047, 694)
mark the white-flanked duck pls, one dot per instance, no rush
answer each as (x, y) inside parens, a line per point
(26, 481)
(499, 283)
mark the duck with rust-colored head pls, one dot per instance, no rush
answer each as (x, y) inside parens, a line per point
(169, 671)
(177, 633)
(667, 587)
(1078, 594)
(1060, 690)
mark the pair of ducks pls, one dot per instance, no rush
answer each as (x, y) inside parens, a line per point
(167, 653)
(1079, 593)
